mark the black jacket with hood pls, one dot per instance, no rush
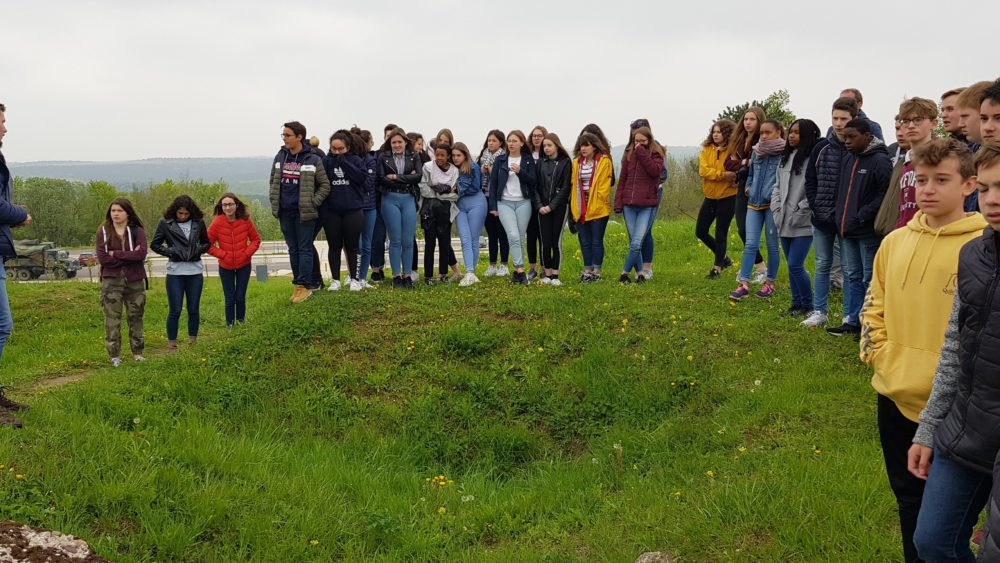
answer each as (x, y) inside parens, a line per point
(864, 179)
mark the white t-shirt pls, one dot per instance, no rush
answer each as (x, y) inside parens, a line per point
(512, 191)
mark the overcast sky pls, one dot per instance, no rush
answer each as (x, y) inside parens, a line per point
(104, 80)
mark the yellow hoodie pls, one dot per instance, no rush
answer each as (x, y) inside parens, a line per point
(907, 307)
(712, 171)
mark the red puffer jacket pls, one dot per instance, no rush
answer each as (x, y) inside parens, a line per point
(640, 179)
(232, 242)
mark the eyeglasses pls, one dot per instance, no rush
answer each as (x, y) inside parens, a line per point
(228, 205)
(917, 121)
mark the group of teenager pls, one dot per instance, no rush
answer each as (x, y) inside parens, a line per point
(915, 226)
(524, 190)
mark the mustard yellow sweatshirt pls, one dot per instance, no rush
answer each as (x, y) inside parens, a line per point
(907, 306)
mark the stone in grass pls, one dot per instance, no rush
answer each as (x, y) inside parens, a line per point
(655, 557)
(24, 544)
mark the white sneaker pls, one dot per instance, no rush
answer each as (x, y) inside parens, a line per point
(816, 319)
(116, 362)
(139, 358)
(490, 272)
(355, 285)
(545, 281)
(414, 276)
(334, 285)
(466, 280)
(648, 274)
(366, 285)
(554, 282)
(760, 277)
(502, 271)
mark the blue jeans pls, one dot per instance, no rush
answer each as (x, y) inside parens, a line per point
(638, 221)
(515, 216)
(647, 242)
(234, 288)
(299, 239)
(400, 216)
(179, 287)
(953, 498)
(365, 244)
(796, 250)
(823, 243)
(6, 320)
(591, 236)
(858, 256)
(470, 220)
(757, 221)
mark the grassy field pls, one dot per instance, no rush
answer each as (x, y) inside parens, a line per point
(493, 423)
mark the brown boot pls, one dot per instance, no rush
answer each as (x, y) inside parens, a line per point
(171, 346)
(7, 404)
(8, 419)
(301, 294)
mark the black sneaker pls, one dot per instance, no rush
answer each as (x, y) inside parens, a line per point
(532, 274)
(397, 282)
(714, 274)
(727, 262)
(640, 279)
(6, 403)
(624, 279)
(407, 282)
(519, 278)
(443, 278)
(846, 329)
(378, 277)
(428, 281)
(796, 312)
(595, 277)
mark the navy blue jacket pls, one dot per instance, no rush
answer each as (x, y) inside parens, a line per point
(348, 182)
(500, 172)
(864, 179)
(822, 178)
(10, 215)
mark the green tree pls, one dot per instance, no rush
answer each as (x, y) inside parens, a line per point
(775, 107)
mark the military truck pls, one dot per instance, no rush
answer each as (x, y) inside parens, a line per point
(35, 259)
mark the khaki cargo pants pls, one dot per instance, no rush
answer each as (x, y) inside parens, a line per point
(116, 292)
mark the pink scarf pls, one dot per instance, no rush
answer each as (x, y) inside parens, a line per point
(769, 148)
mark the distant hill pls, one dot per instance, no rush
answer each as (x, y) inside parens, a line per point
(246, 175)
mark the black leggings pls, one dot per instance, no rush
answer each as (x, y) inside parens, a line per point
(437, 229)
(741, 220)
(896, 435)
(721, 211)
(550, 230)
(343, 229)
(497, 239)
(534, 238)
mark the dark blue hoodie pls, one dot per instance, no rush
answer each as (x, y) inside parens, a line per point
(348, 182)
(10, 214)
(864, 179)
(371, 194)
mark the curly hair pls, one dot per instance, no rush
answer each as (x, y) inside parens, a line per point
(183, 201)
(241, 208)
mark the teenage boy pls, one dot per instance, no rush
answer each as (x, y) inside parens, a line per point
(949, 114)
(989, 113)
(855, 94)
(969, 103)
(864, 177)
(10, 216)
(919, 119)
(298, 186)
(822, 177)
(906, 310)
(957, 440)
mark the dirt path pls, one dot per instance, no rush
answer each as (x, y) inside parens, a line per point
(63, 380)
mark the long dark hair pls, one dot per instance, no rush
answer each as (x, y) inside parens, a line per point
(241, 208)
(561, 151)
(125, 204)
(596, 131)
(500, 137)
(809, 135)
(354, 143)
(654, 147)
(726, 126)
(186, 202)
(397, 132)
(587, 138)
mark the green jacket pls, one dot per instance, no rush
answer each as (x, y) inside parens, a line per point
(314, 185)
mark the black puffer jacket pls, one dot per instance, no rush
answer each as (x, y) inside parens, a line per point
(864, 179)
(968, 434)
(822, 177)
(555, 180)
(169, 241)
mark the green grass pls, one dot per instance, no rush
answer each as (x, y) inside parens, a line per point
(573, 423)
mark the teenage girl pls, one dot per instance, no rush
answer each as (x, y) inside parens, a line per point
(719, 204)
(399, 171)
(555, 180)
(341, 214)
(438, 194)
(472, 210)
(762, 175)
(512, 182)
(590, 201)
(494, 146)
(740, 149)
(233, 240)
(534, 237)
(121, 252)
(790, 209)
(636, 197)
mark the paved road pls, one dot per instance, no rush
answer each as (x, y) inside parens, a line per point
(272, 254)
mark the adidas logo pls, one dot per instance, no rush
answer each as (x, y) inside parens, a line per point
(338, 173)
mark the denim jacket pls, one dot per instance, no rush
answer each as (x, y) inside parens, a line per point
(761, 179)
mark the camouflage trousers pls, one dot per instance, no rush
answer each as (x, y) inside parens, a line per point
(116, 293)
